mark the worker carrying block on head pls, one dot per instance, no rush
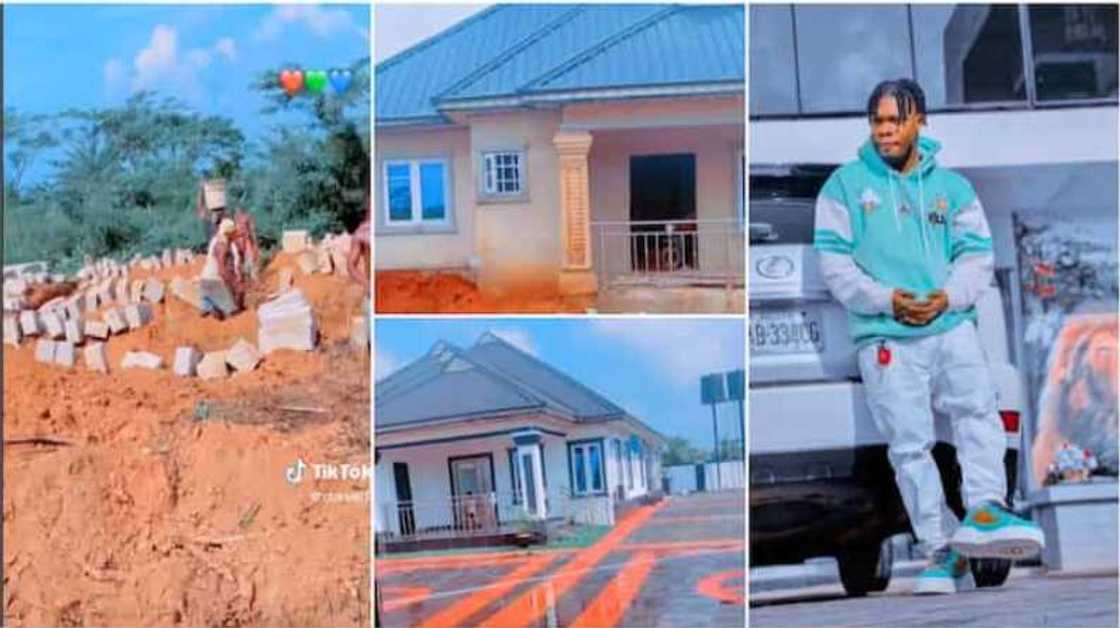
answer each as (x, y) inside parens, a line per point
(210, 205)
(357, 262)
(244, 241)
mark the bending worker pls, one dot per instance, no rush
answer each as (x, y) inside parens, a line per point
(905, 247)
(221, 289)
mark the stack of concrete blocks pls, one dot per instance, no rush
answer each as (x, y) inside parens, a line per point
(286, 322)
(97, 329)
(166, 259)
(52, 323)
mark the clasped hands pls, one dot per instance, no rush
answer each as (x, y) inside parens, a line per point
(909, 311)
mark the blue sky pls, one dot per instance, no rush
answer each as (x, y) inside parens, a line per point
(649, 366)
(57, 57)
(398, 26)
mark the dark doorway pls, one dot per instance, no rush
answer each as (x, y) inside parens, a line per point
(663, 188)
(406, 517)
(701, 485)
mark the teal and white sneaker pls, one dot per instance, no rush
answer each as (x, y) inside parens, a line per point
(947, 572)
(990, 531)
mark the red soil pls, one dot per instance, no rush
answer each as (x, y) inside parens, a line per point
(413, 292)
(147, 514)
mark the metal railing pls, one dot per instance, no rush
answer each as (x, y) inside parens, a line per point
(481, 515)
(670, 252)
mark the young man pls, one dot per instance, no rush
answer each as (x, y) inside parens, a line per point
(905, 247)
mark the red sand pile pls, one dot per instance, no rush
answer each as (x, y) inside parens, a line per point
(143, 513)
(413, 292)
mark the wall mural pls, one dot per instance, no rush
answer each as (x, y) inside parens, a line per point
(1068, 274)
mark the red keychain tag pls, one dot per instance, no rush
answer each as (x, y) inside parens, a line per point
(884, 354)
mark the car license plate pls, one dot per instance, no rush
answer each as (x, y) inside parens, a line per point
(786, 331)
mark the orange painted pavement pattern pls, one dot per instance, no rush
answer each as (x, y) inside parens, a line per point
(403, 596)
(458, 613)
(528, 608)
(713, 586)
(607, 609)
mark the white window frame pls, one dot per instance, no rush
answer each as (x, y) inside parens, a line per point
(417, 203)
(490, 179)
(587, 446)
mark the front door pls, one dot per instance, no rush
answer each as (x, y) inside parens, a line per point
(471, 486)
(663, 189)
(406, 518)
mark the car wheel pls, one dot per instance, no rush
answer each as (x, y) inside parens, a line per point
(866, 569)
(990, 572)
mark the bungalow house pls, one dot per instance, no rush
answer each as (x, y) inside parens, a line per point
(473, 443)
(574, 148)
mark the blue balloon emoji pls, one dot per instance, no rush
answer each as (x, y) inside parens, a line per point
(340, 80)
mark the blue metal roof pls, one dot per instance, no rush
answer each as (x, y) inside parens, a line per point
(490, 378)
(520, 51)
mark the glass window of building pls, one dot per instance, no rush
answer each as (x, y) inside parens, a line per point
(773, 71)
(845, 50)
(968, 53)
(1074, 49)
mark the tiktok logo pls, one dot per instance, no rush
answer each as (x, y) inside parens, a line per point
(293, 473)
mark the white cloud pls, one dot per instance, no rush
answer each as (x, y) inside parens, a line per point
(161, 64)
(384, 363)
(518, 338)
(683, 349)
(323, 23)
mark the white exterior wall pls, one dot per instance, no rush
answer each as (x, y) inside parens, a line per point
(682, 478)
(431, 483)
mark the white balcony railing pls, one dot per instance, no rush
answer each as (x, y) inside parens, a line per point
(670, 252)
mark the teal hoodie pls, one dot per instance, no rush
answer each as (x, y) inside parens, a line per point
(902, 232)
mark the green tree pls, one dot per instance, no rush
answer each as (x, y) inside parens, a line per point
(679, 451)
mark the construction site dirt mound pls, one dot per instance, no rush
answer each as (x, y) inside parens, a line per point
(424, 292)
(142, 498)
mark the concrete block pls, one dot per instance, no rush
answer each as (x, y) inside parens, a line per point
(121, 291)
(186, 361)
(294, 241)
(286, 322)
(115, 320)
(340, 252)
(96, 357)
(13, 333)
(359, 332)
(212, 365)
(75, 306)
(97, 329)
(91, 299)
(52, 324)
(138, 315)
(165, 259)
(141, 359)
(153, 290)
(74, 331)
(136, 291)
(105, 293)
(44, 351)
(243, 357)
(29, 323)
(64, 354)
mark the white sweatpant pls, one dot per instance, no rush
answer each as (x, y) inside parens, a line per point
(947, 372)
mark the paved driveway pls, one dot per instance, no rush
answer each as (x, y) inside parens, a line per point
(676, 563)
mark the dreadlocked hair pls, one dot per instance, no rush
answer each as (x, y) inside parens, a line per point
(907, 94)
